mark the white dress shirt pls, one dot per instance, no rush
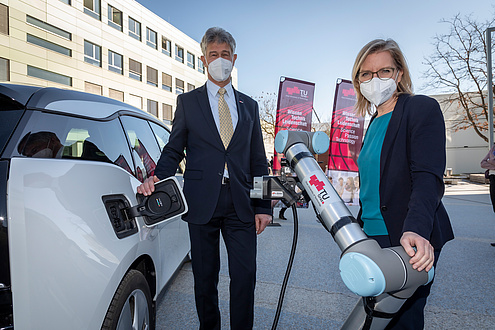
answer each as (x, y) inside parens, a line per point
(229, 97)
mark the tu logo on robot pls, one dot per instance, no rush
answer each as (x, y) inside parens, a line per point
(320, 186)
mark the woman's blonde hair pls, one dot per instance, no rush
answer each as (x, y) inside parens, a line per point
(363, 106)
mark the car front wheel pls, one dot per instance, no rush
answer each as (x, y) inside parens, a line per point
(131, 305)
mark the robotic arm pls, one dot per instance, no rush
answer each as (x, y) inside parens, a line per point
(383, 277)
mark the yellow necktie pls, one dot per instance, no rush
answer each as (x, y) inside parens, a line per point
(226, 128)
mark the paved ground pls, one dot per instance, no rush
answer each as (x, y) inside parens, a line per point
(463, 295)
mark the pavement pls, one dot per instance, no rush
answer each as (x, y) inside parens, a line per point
(462, 296)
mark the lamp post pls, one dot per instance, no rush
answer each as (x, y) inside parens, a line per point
(490, 83)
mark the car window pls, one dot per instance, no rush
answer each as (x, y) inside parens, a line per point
(144, 146)
(10, 113)
(58, 136)
(162, 135)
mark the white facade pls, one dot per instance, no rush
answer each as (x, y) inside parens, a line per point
(465, 148)
(93, 46)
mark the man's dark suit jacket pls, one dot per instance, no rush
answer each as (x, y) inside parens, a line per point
(194, 131)
(412, 164)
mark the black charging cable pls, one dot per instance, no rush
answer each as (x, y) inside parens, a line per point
(289, 267)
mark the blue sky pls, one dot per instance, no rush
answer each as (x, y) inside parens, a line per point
(316, 41)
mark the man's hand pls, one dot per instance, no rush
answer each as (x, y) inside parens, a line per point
(423, 257)
(262, 220)
(148, 186)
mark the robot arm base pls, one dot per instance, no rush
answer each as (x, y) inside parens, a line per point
(368, 270)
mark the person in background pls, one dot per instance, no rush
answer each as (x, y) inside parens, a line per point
(355, 199)
(401, 167)
(488, 163)
(40, 145)
(219, 130)
(349, 188)
(340, 186)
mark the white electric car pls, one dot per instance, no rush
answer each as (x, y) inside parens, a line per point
(72, 256)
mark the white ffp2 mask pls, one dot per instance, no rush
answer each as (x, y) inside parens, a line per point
(377, 90)
(44, 153)
(220, 69)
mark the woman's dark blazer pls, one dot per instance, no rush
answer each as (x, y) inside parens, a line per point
(412, 164)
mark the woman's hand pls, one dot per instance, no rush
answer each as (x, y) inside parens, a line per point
(423, 257)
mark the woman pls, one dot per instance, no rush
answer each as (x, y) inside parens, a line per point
(355, 199)
(348, 191)
(488, 163)
(401, 166)
(340, 186)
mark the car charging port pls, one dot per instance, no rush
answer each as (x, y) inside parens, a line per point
(166, 202)
(117, 208)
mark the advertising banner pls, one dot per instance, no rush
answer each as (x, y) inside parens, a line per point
(294, 109)
(346, 136)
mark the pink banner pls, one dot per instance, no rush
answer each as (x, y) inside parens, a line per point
(294, 109)
(346, 134)
(346, 138)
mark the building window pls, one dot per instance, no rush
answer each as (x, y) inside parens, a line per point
(201, 67)
(92, 53)
(115, 62)
(134, 29)
(92, 8)
(167, 112)
(179, 86)
(4, 19)
(153, 107)
(190, 60)
(152, 76)
(48, 27)
(93, 88)
(4, 69)
(166, 46)
(48, 45)
(48, 75)
(116, 95)
(151, 38)
(115, 18)
(135, 70)
(190, 87)
(166, 82)
(66, 2)
(136, 101)
(179, 54)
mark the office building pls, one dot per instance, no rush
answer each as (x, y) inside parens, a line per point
(113, 48)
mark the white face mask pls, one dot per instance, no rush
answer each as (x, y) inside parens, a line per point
(44, 153)
(220, 69)
(377, 90)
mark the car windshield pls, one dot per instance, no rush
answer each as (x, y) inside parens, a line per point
(10, 113)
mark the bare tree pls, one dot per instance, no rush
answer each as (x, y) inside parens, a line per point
(458, 66)
(267, 103)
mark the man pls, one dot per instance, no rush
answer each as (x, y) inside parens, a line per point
(41, 145)
(219, 129)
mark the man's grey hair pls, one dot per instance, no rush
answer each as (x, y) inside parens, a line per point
(218, 35)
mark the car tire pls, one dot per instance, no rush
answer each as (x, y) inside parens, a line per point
(131, 306)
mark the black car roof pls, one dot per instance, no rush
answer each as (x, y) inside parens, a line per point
(67, 101)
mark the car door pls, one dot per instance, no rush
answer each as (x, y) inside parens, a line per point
(172, 233)
(66, 259)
